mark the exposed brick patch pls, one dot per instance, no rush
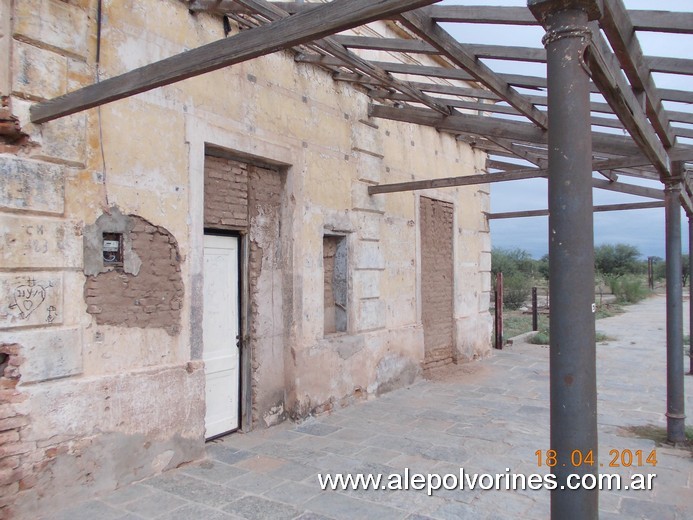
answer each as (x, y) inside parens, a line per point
(150, 299)
(226, 193)
(15, 454)
(11, 135)
(437, 281)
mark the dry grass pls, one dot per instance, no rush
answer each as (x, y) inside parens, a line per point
(658, 434)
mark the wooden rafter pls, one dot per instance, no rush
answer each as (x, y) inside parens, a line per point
(495, 108)
(447, 182)
(303, 27)
(498, 52)
(514, 80)
(494, 127)
(514, 173)
(329, 44)
(642, 20)
(621, 35)
(606, 73)
(597, 209)
(430, 31)
(681, 117)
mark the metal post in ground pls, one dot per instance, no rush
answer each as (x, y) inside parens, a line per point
(499, 311)
(690, 293)
(571, 252)
(535, 318)
(675, 395)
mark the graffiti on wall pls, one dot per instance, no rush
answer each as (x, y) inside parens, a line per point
(32, 299)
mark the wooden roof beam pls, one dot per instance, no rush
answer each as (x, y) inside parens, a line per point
(514, 80)
(497, 52)
(222, 7)
(642, 20)
(656, 21)
(328, 44)
(494, 127)
(386, 44)
(421, 24)
(662, 21)
(449, 182)
(619, 30)
(515, 173)
(482, 14)
(606, 73)
(303, 27)
(540, 160)
(596, 209)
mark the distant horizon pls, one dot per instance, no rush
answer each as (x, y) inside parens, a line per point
(533, 237)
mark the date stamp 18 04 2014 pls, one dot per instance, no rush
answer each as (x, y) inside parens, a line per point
(617, 458)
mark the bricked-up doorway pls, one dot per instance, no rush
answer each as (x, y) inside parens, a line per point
(243, 197)
(437, 284)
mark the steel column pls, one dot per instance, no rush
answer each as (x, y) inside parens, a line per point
(498, 316)
(690, 293)
(535, 317)
(571, 254)
(675, 394)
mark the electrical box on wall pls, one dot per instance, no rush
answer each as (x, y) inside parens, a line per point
(112, 247)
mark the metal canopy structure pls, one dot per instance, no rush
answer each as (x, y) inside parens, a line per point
(597, 109)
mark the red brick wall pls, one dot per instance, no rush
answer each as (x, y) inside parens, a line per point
(226, 193)
(153, 297)
(437, 280)
(15, 463)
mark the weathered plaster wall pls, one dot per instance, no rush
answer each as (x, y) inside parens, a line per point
(104, 403)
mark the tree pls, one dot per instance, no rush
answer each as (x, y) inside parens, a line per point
(685, 273)
(543, 266)
(511, 261)
(518, 268)
(616, 260)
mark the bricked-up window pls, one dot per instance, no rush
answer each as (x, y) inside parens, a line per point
(334, 261)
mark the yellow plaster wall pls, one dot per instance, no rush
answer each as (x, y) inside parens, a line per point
(137, 152)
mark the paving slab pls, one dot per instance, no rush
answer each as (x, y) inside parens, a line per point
(490, 416)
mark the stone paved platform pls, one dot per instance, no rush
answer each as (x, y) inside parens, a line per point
(485, 417)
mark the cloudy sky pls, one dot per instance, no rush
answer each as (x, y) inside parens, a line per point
(641, 228)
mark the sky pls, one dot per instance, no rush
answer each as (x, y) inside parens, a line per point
(641, 228)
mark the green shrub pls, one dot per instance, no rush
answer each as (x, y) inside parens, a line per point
(543, 337)
(540, 338)
(627, 288)
(517, 288)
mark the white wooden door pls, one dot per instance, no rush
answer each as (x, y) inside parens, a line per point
(220, 329)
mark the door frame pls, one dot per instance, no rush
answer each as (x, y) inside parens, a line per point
(244, 376)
